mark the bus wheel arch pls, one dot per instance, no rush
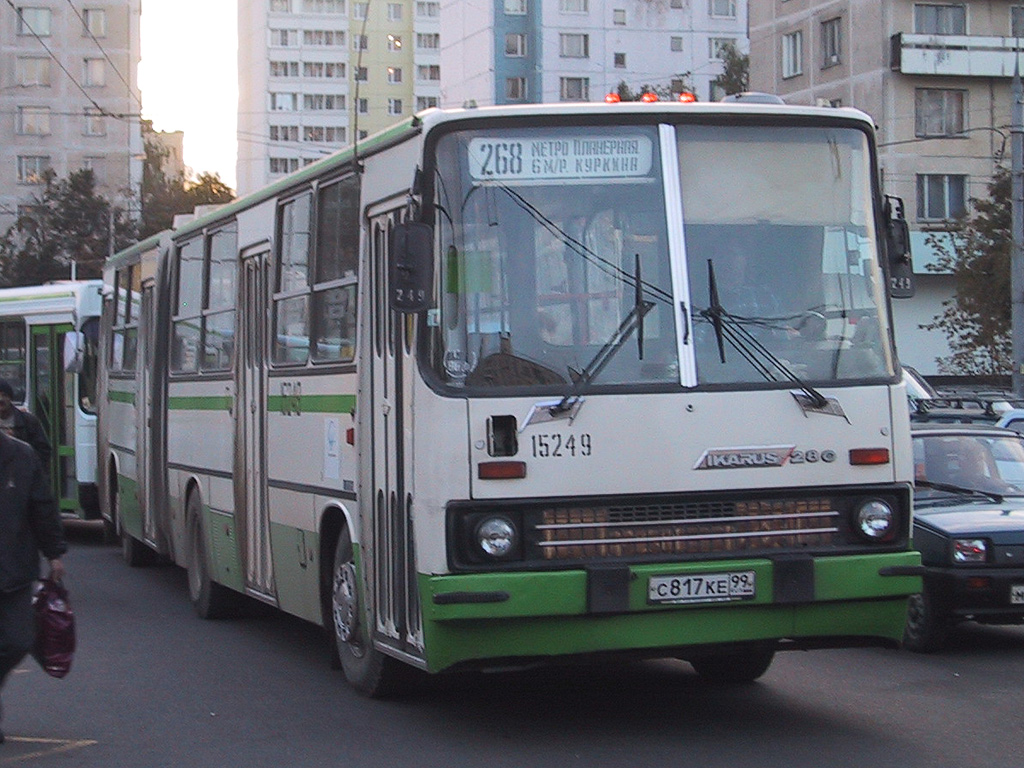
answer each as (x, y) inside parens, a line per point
(135, 553)
(109, 512)
(209, 599)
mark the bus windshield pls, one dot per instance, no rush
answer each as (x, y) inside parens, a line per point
(747, 254)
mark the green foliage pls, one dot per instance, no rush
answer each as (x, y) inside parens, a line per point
(163, 197)
(976, 321)
(735, 77)
(68, 222)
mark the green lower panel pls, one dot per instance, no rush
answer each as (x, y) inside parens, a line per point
(545, 614)
(128, 507)
(223, 548)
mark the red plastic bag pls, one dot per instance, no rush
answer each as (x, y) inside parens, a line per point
(55, 629)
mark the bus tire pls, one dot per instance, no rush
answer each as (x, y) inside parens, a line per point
(743, 666)
(372, 673)
(210, 599)
(926, 630)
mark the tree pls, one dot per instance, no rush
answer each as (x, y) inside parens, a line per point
(735, 77)
(976, 320)
(165, 196)
(67, 223)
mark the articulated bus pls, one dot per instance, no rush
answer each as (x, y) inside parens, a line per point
(520, 384)
(49, 337)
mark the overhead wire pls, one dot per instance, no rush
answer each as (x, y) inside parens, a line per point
(99, 45)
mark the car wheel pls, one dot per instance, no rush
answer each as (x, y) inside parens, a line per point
(369, 671)
(926, 629)
(734, 667)
(210, 599)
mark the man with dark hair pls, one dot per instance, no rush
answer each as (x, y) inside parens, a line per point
(30, 524)
(23, 425)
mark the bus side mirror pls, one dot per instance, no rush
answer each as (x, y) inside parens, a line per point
(411, 267)
(897, 236)
(74, 352)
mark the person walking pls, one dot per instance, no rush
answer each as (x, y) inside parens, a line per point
(30, 524)
(23, 425)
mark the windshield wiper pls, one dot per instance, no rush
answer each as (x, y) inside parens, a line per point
(729, 329)
(950, 488)
(633, 321)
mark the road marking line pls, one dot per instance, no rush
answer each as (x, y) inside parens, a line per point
(59, 745)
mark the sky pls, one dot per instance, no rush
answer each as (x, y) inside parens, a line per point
(188, 78)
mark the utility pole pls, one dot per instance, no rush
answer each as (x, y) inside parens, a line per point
(1017, 234)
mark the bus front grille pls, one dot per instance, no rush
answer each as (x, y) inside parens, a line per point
(694, 528)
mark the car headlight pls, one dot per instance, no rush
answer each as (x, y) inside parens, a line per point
(497, 537)
(876, 520)
(970, 550)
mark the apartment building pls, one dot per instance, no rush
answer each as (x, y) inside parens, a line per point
(314, 75)
(69, 98)
(936, 79)
(528, 51)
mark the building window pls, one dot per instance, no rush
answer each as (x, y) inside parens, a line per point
(394, 75)
(939, 112)
(725, 9)
(94, 22)
(323, 69)
(1017, 20)
(515, 45)
(33, 71)
(620, 60)
(95, 125)
(716, 44)
(360, 42)
(323, 134)
(574, 88)
(573, 6)
(941, 196)
(284, 164)
(675, 43)
(284, 38)
(428, 10)
(95, 72)
(831, 42)
(426, 102)
(574, 46)
(284, 69)
(428, 41)
(363, 106)
(515, 88)
(619, 17)
(284, 102)
(323, 6)
(359, 11)
(515, 7)
(792, 54)
(284, 133)
(34, 21)
(394, 106)
(280, 6)
(933, 19)
(324, 37)
(675, 4)
(394, 42)
(362, 74)
(323, 102)
(31, 168)
(34, 121)
(428, 72)
(394, 11)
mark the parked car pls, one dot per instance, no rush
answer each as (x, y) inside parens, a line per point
(969, 528)
(1012, 419)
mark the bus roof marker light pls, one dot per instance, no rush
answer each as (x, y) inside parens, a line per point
(649, 98)
(612, 98)
(687, 98)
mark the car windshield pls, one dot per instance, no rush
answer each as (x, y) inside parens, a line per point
(951, 463)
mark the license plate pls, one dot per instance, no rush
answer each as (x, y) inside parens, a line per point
(702, 588)
(1017, 594)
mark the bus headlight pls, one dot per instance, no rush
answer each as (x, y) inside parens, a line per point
(876, 520)
(970, 551)
(497, 537)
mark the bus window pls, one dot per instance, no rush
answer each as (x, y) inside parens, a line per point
(185, 350)
(337, 251)
(219, 315)
(12, 356)
(87, 376)
(291, 301)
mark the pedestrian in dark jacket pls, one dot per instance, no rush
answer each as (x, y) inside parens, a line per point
(30, 524)
(23, 425)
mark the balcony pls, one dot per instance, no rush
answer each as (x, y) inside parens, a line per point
(956, 55)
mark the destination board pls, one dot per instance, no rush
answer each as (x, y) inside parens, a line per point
(581, 157)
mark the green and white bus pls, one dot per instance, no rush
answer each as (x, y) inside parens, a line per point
(484, 391)
(49, 336)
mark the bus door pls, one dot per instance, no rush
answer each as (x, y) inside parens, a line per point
(144, 448)
(53, 403)
(391, 567)
(250, 425)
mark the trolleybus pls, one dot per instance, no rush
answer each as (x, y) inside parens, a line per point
(49, 336)
(516, 384)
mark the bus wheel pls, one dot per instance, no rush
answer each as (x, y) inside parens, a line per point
(210, 600)
(133, 551)
(926, 629)
(734, 667)
(369, 671)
